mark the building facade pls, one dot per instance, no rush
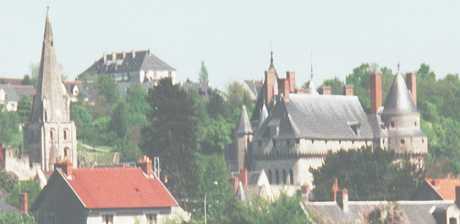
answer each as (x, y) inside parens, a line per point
(50, 134)
(292, 130)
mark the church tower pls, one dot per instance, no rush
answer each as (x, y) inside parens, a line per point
(50, 135)
(242, 140)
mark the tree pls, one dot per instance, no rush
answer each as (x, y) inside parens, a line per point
(10, 132)
(7, 181)
(29, 186)
(216, 134)
(203, 75)
(83, 119)
(336, 85)
(108, 93)
(388, 214)
(15, 218)
(26, 80)
(25, 108)
(171, 135)
(368, 175)
(237, 96)
(119, 121)
(137, 105)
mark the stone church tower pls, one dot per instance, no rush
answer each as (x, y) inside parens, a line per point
(50, 135)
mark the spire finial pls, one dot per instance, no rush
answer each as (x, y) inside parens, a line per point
(311, 66)
(271, 57)
(47, 10)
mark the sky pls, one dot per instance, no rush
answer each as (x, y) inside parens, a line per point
(235, 37)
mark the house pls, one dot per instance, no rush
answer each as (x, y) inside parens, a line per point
(292, 130)
(114, 195)
(11, 94)
(437, 189)
(341, 210)
(135, 67)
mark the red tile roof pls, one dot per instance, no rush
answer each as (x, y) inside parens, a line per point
(123, 187)
(444, 187)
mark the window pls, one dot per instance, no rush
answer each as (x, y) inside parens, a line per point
(270, 176)
(66, 152)
(65, 134)
(415, 123)
(291, 177)
(452, 220)
(284, 176)
(277, 176)
(392, 124)
(403, 141)
(151, 218)
(107, 219)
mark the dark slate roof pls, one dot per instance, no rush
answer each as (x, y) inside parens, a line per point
(399, 100)
(244, 126)
(320, 117)
(420, 212)
(10, 92)
(125, 62)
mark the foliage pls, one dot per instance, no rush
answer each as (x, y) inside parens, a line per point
(336, 85)
(137, 105)
(368, 175)
(119, 120)
(10, 132)
(15, 218)
(216, 134)
(25, 108)
(388, 214)
(30, 186)
(7, 181)
(258, 211)
(26, 80)
(237, 96)
(203, 75)
(171, 135)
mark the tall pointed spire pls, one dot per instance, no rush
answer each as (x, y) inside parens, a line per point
(244, 127)
(271, 59)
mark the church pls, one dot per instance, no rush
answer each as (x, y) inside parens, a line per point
(292, 130)
(50, 135)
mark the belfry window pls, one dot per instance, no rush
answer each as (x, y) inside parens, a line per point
(277, 177)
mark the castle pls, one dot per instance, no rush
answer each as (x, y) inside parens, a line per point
(292, 130)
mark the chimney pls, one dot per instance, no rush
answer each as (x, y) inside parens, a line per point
(342, 200)
(305, 190)
(290, 76)
(334, 189)
(24, 201)
(65, 166)
(269, 84)
(376, 91)
(348, 90)
(146, 165)
(411, 82)
(156, 167)
(286, 88)
(457, 196)
(326, 90)
(244, 177)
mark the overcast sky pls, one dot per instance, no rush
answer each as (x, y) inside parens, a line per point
(234, 37)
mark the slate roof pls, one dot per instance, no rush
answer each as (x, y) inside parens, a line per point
(320, 117)
(244, 126)
(16, 92)
(420, 212)
(125, 63)
(121, 187)
(399, 100)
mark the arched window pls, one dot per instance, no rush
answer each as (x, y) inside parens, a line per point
(270, 176)
(52, 134)
(66, 152)
(277, 176)
(291, 177)
(284, 176)
(65, 134)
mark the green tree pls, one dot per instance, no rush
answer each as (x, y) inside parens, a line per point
(26, 80)
(83, 119)
(119, 122)
(10, 132)
(30, 186)
(25, 108)
(171, 135)
(137, 105)
(203, 75)
(368, 175)
(336, 85)
(15, 218)
(7, 181)
(237, 96)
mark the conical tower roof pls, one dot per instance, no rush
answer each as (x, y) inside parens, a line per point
(51, 101)
(399, 100)
(244, 127)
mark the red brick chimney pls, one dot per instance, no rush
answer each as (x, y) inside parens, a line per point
(145, 163)
(348, 90)
(286, 89)
(269, 85)
(326, 90)
(342, 200)
(65, 166)
(334, 189)
(457, 196)
(376, 91)
(290, 76)
(244, 177)
(24, 203)
(411, 82)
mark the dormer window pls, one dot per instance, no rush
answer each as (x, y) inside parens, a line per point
(355, 126)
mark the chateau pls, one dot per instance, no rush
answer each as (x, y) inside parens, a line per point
(292, 130)
(50, 136)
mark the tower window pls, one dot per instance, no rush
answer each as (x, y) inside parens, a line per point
(270, 179)
(66, 152)
(65, 134)
(291, 177)
(284, 176)
(392, 124)
(277, 177)
(415, 124)
(403, 141)
(107, 219)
